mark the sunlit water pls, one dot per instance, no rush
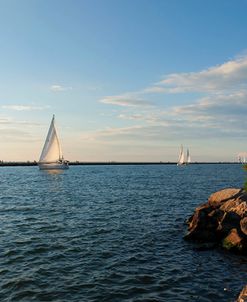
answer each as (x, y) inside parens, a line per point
(112, 233)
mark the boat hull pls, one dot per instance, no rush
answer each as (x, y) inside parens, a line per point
(53, 166)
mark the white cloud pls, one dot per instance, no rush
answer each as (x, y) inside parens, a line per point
(110, 132)
(24, 107)
(4, 121)
(125, 101)
(231, 75)
(59, 88)
(14, 130)
(153, 117)
(227, 78)
(131, 117)
(169, 131)
(155, 89)
(212, 116)
(7, 122)
(215, 105)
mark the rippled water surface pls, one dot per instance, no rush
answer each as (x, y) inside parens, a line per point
(111, 233)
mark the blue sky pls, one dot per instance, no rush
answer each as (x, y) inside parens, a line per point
(127, 80)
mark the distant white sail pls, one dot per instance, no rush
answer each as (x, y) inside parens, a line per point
(51, 156)
(183, 160)
(181, 156)
(188, 157)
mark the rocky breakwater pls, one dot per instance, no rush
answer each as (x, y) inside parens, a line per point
(222, 220)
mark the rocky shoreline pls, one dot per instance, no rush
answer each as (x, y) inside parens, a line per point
(222, 221)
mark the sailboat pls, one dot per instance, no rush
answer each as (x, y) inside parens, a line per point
(183, 160)
(51, 156)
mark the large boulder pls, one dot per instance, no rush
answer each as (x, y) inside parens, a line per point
(222, 219)
(217, 198)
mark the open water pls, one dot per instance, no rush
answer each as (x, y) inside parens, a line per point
(113, 234)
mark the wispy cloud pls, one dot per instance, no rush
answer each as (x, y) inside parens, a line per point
(14, 130)
(24, 107)
(5, 121)
(169, 131)
(110, 132)
(231, 104)
(133, 117)
(153, 117)
(11, 122)
(214, 116)
(125, 101)
(17, 134)
(229, 75)
(221, 79)
(59, 88)
(220, 113)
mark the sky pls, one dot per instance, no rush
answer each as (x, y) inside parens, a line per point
(128, 80)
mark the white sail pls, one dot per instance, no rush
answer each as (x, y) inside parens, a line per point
(51, 151)
(188, 157)
(184, 159)
(51, 157)
(181, 156)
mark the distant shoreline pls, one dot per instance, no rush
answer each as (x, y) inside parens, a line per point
(79, 163)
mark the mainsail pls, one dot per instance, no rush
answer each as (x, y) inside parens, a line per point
(183, 160)
(51, 151)
(181, 156)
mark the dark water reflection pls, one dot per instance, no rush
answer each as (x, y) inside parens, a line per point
(111, 233)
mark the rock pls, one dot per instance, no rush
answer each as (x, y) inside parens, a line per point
(235, 205)
(243, 295)
(222, 220)
(202, 224)
(228, 221)
(219, 197)
(243, 225)
(233, 241)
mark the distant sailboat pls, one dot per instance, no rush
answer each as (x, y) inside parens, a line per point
(242, 157)
(51, 156)
(183, 160)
